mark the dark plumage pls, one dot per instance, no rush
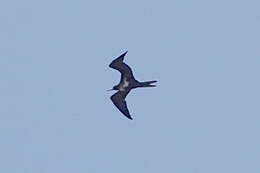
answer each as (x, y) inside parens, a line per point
(127, 83)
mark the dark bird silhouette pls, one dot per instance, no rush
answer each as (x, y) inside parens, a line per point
(126, 84)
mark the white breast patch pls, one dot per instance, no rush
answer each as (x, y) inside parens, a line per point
(125, 83)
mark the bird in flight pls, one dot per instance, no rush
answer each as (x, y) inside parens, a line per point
(126, 84)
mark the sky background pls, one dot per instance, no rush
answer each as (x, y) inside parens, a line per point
(55, 113)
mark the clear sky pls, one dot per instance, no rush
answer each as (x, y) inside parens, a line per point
(55, 113)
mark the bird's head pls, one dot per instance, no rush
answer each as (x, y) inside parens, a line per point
(114, 88)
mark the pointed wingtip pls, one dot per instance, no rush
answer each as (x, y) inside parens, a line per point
(118, 60)
(127, 114)
(123, 55)
(129, 117)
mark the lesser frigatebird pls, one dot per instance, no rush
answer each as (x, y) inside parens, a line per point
(126, 84)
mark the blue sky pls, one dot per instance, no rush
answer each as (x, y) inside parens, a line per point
(55, 113)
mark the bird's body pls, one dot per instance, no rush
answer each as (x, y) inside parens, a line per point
(126, 84)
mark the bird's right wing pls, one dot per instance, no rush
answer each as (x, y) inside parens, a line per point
(119, 101)
(123, 68)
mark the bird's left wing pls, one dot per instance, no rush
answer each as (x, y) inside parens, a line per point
(122, 67)
(119, 101)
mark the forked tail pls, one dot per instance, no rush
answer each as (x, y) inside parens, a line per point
(148, 83)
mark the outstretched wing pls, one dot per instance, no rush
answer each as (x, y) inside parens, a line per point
(123, 68)
(119, 101)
